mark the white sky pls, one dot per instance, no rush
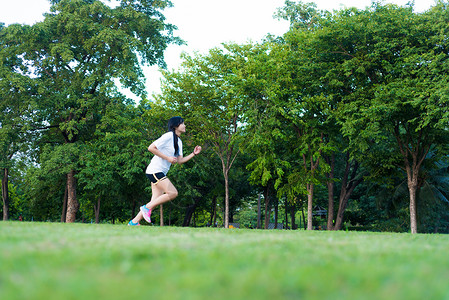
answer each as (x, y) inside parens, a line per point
(203, 24)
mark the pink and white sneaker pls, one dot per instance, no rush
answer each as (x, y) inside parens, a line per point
(146, 213)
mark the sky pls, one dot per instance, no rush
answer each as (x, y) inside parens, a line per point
(203, 24)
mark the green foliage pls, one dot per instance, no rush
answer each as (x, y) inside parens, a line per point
(381, 73)
(206, 93)
(392, 201)
(67, 65)
(16, 105)
(247, 216)
(17, 204)
(302, 16)
(368, 87)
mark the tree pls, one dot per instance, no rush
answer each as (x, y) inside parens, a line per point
(206, 94)
(116, 159)
(314, 71)
(16, 106)
(261, 79)
(78, 51)
(404, 60)
(431, 199)
(303, 106)
(285, 119)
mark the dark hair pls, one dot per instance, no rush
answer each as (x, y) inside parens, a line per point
(173, 123)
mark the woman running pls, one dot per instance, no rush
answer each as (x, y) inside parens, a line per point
(167, 150)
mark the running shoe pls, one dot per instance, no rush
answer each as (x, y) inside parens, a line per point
(146, 213)
(131, 223)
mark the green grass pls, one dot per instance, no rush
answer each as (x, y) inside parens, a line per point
(84, 261)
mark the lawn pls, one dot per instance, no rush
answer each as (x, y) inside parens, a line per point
(85, 261)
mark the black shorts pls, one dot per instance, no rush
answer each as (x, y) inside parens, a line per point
(155, 178)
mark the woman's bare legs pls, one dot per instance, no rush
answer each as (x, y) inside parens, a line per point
(162, 192)
(165, 191)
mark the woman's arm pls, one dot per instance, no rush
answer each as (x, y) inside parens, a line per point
(153, 149)
(182, 159)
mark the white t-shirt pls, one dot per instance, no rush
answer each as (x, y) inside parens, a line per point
(165, 145)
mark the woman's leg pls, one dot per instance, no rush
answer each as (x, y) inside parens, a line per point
(163, 191)
(155, 193)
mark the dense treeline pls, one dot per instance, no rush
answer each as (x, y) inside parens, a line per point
(341, 123)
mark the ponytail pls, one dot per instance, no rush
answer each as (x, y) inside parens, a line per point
(175, 143)
(173, 123)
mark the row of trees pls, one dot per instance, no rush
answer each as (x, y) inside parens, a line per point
(353, 101)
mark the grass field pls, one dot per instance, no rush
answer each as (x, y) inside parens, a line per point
(85, 261)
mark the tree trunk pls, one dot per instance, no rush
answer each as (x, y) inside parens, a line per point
(286, 215)
(226, 163)
(188, 216)
(226, 225)
(214, 211)
(292, 216)
(72, 202)
(189, 213)
(97, 210)
(267, 206)
(330, 193)
(412, 182)
(413, 185)
(417, 153)
(161, 215)
(309, 206)
(5, 194)
(64, 206)
(330, 205)
(343, 203)
(413, 223)
(276, 209)
(133, 209)
(303, 218)
(344, 197)
(214, 221)
(348, 184)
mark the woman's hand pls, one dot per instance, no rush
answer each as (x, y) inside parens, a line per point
(182, 159)
(153, 149)
(197, 150)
